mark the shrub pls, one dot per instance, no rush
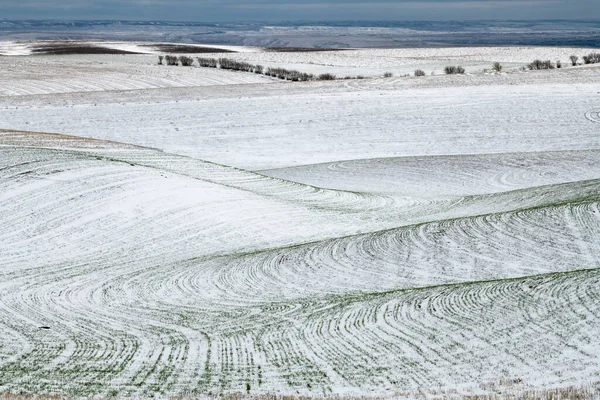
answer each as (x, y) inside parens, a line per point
(451, 70)
(327, 77)
(419, 72)
(172, 60)
(574, 60)
(497, 67)
(186, 61)
(281, 73)
(388, 75)
(225, 63)
(592, 58)
(160, 60)
(207, 62)
(290, 75)
(558, 64)
(539, 64)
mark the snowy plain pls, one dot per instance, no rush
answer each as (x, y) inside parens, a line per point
(170, 230)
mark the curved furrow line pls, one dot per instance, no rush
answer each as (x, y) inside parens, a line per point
(497, 246)
(69, 185)
(145, 281)
(294, 192)
(88, 330)
(593, 115)
(501, 326)
(410, 208)
(435, 307)
(352, 207)
(435, 176)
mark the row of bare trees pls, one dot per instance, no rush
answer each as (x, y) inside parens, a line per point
(234, 65)
(293, 75)
(592, 58)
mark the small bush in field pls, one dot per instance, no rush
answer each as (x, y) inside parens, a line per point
(207, 62)
(592, 58)
(497, 67)
(451, 70)
(574, 60)
(327, 77)
(539, 64)
(290, 75)
(186, 61)
(172, 60)
(225, 63)
(160, 60)
(558, 64)
(419, 72)
(388, 75)
(258, 69)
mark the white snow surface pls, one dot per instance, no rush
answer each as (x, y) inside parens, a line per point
(264, 127)
(375, 62)
(363, 237)
(75, 74)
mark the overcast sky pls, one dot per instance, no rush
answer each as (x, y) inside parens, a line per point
(270, 10)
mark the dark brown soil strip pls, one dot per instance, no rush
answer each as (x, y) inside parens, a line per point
(188, 49)
(75, 48)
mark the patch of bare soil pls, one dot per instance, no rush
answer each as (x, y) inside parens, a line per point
(67, 48)
(183, 48)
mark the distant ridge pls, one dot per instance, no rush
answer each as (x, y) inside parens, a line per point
(320, 34)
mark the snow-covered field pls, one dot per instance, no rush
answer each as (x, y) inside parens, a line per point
(375, 62)
(170, 230)
(36, 75)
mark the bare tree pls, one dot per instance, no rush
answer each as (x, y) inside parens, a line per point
(592, 58)
(539, 64)
(207, 62)
(451, 70)
(186, 61)
(172, 60)
(327, 77)
(574, 60)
